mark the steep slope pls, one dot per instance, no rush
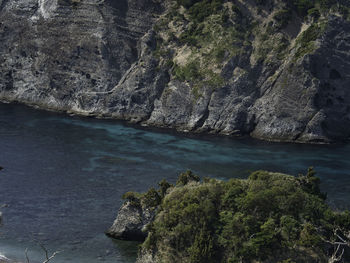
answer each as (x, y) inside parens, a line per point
(275, 70)
(60, 53)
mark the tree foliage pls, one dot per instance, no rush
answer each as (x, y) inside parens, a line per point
(269, 217)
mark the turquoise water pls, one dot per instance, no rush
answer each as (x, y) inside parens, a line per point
(64, 176)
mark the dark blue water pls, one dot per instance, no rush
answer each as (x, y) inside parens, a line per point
(64, 176)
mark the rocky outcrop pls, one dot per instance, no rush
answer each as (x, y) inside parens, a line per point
(296, 100)
(69, 54)
(146, 257)
(105, 58)
(217, 221)
(131, 222)
(309, 100)
(3, 259)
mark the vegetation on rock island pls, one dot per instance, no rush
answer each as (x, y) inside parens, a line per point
(269, 217)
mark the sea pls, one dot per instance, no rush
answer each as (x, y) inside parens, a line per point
(63, 177)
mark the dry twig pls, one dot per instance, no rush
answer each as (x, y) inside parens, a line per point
(48, 258)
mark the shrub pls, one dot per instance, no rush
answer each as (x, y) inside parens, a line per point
(307, 39)
(309, 236)
(202, 9)
(187, 177)
(164, 186)
(290, 228)
(244, 220)
(151, 198)
(133, 198)
(190, 72)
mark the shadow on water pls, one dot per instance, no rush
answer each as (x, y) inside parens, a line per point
(64, 176)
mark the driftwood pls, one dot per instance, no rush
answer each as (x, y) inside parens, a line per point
(48, 258)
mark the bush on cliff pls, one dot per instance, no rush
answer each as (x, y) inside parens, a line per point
(269, 217)
(150, 199)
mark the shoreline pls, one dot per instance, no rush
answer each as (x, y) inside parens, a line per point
(161, 128)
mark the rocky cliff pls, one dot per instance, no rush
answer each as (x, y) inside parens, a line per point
(131, 222)
(70, 54)
(233, 67)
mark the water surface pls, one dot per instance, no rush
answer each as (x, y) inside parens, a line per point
(64, 176)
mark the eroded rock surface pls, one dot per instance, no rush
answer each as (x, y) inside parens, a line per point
(131, 222)
(99, 57)
(69, 54)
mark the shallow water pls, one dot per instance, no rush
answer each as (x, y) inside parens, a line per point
(64, 176)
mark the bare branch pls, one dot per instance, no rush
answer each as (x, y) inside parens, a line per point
(48, 258)
(47, 253)
(27, 258)
(52, 256)
(45, 250)
(340, 240)
(334, 258)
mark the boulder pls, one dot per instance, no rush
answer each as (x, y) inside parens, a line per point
(131, 222)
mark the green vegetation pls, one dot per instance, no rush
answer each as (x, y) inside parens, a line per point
(133, 198)
(187, 177)
(201, 10)
(269, 217)
(151, 199)
(306, 41)
(205, 7)
(187, 3)
(199, 77)
(211, 31)
(303, 7)
(190, 72)
(201, 42)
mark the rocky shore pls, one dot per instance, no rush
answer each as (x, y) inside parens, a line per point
(3, 259)
(127, 60)
(131, 222)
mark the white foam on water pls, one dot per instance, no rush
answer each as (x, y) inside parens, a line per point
(3, 257)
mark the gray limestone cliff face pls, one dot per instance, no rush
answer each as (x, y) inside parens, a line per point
(310, 99)
(304, 100)
(97, 58)
(69, 54)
